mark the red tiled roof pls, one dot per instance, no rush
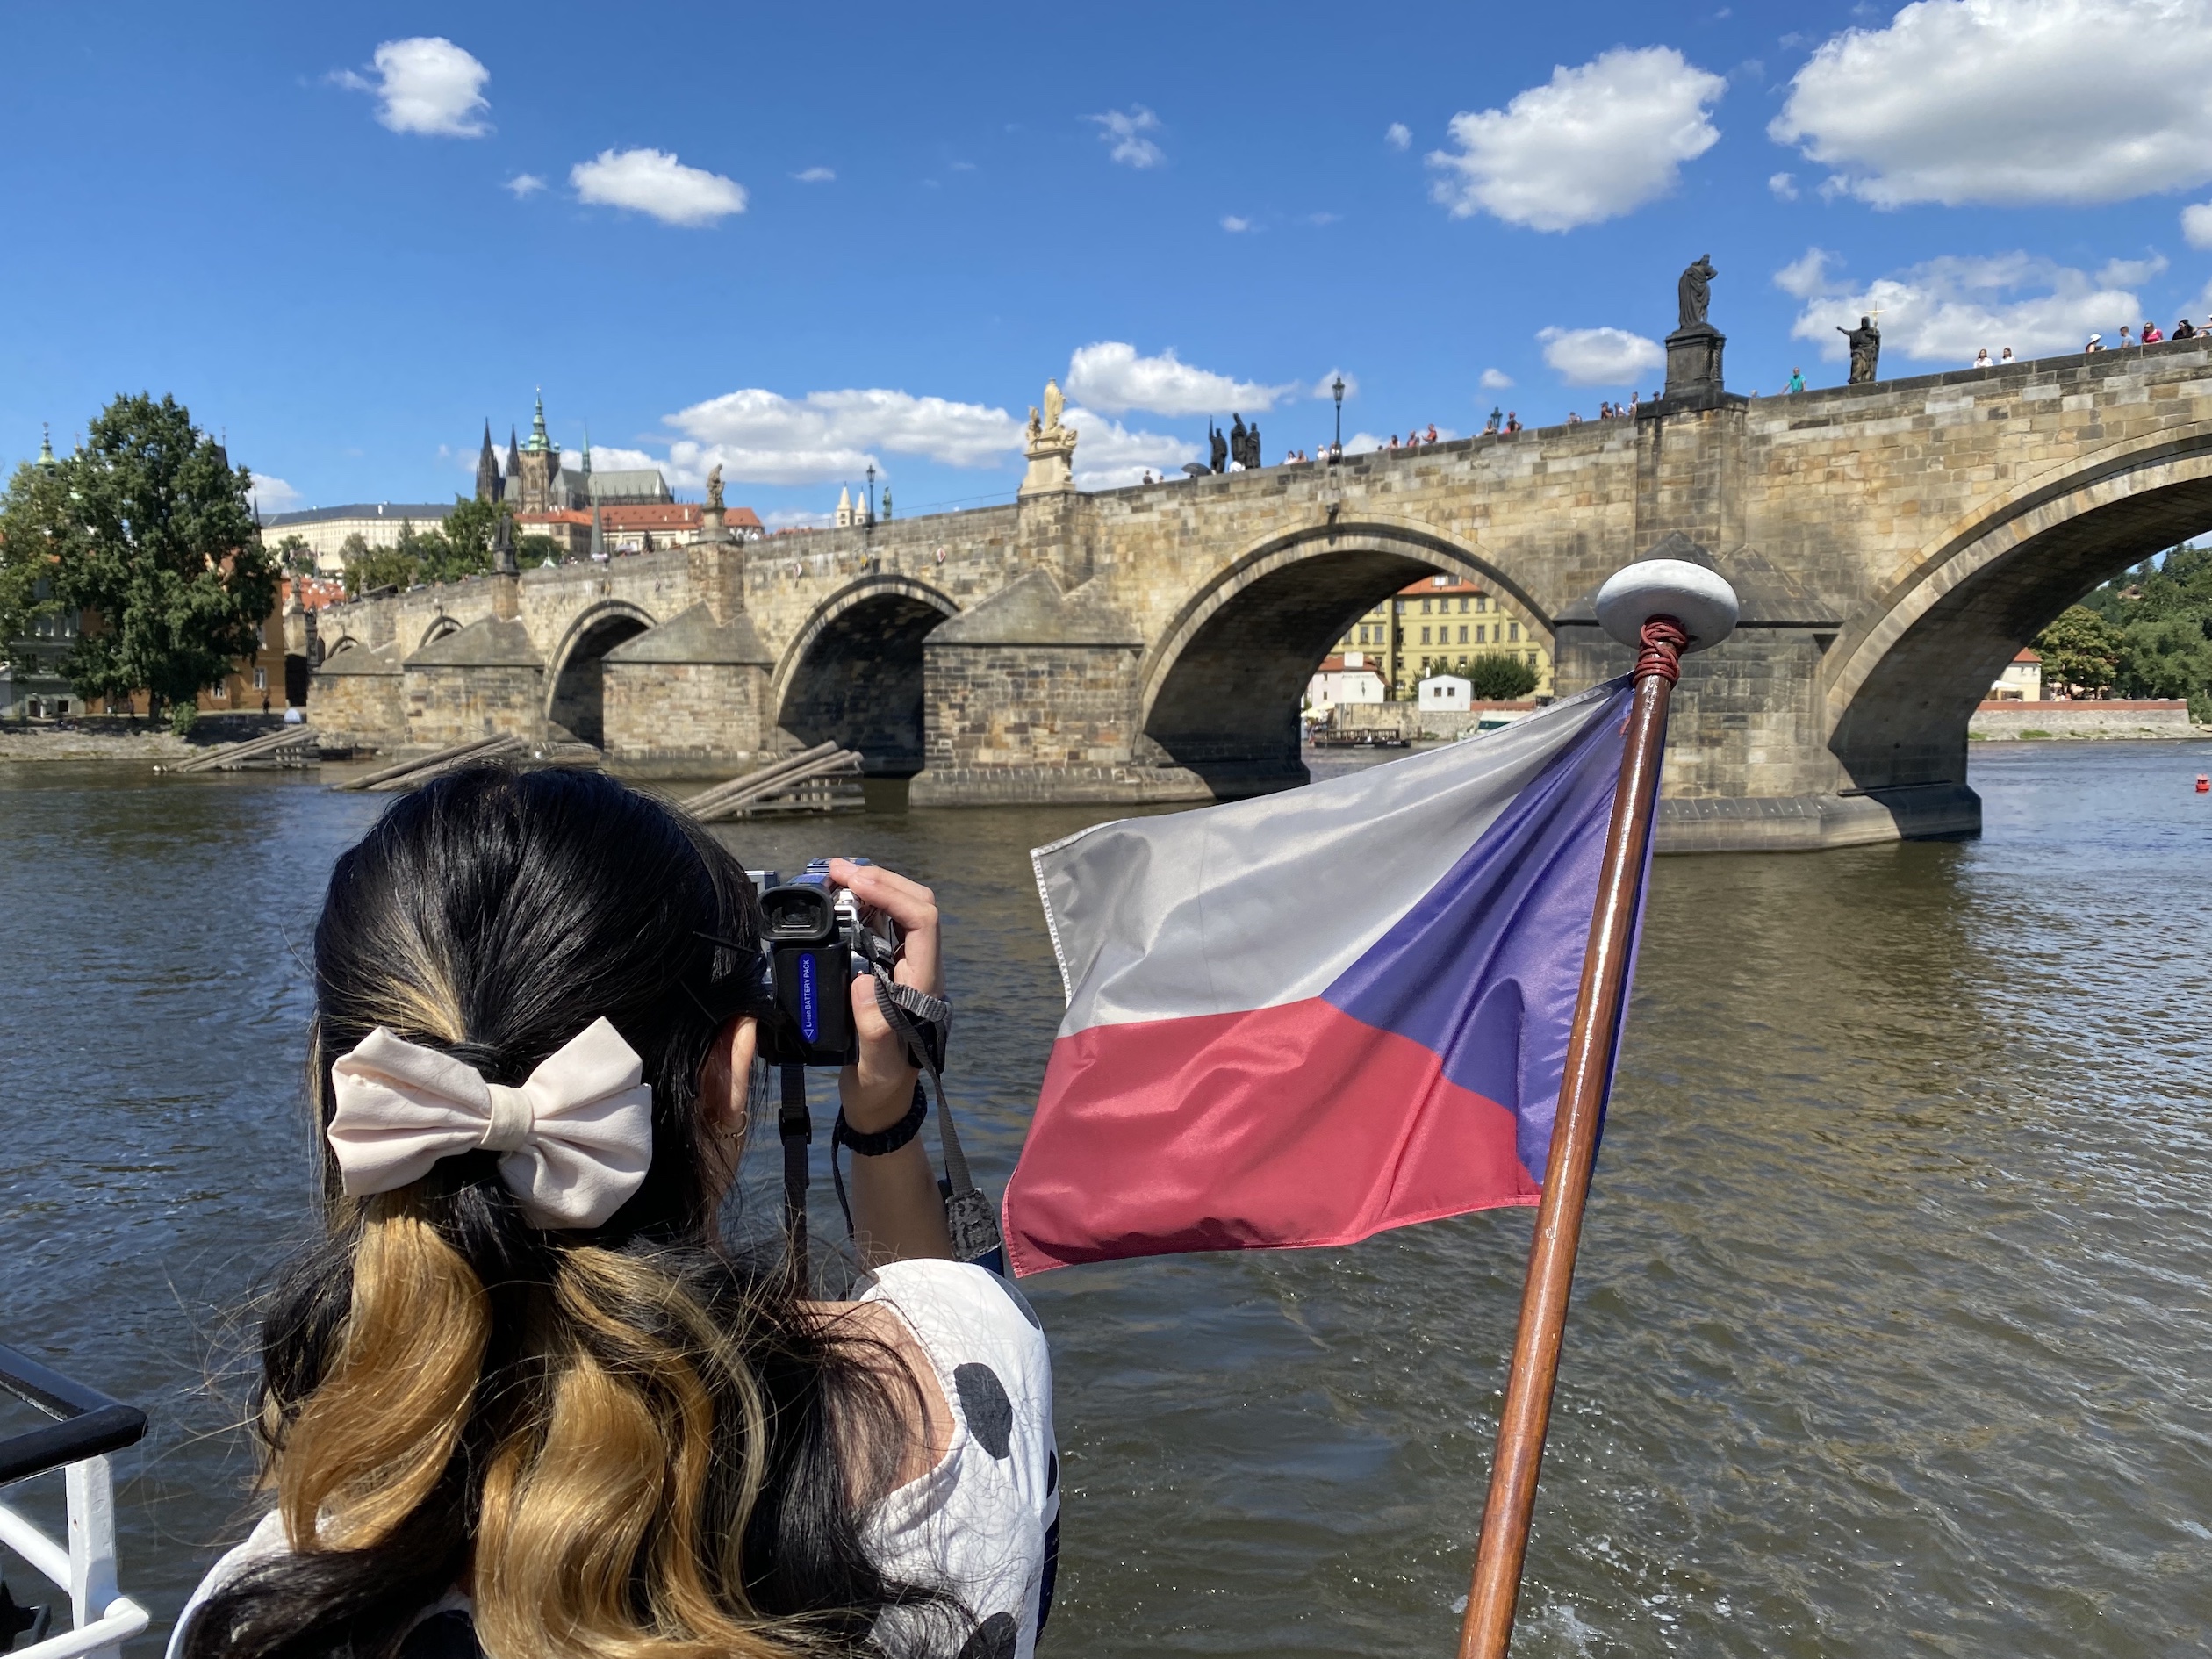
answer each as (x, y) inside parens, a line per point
(1429, 585)
(2027, 656)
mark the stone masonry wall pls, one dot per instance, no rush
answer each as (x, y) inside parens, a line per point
(456, 704)
(685, 719)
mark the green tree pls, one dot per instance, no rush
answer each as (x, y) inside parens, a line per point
(36, 496)
(148, 527)
(2080, 651)
(1499, 677)
(530, 551)
(372, 568)
(469, 529)
(292, 554)
(2165, 657)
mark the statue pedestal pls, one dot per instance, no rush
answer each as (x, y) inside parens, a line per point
(1693, 361)
(1050, 471)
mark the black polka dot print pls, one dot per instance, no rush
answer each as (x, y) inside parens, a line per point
(993, 1639)
(990, 1414)
(1019, 1301)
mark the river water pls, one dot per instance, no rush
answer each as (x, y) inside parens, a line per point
(1890, 1335)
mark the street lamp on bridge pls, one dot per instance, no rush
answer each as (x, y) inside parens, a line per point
(871, 492)
(1336, 449)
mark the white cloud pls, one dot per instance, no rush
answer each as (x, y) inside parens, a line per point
(654, 182)
(1108, 456)
(1125, 130)
(2196, 223)
(1600, 357)
(816, 175)
(273, 495)
(1805, 275)
(1325, 388)
(762, 437)
(425, 84)
(1589, 145)
(1232, 224)
(1110, 376)
(525, 185)
(798, 519)
(2126, 273)
(1397, 135)
(1784, 186)
(1947, 309)
(1495, 380)
(2011, 101)
(612, 458)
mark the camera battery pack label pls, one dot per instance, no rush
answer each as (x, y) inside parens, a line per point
(809, 1004)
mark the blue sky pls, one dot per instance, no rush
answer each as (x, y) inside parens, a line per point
(799, 238)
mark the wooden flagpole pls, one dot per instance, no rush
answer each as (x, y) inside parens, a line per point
(1522, 1426)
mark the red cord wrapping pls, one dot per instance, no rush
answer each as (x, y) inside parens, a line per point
(1663, 639)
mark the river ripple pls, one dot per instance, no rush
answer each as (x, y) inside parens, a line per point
(1890, 1338)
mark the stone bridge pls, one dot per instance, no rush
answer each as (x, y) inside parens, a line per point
(1894, 545)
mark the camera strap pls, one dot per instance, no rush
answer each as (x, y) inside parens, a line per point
(794, 1127)
(924, 1024)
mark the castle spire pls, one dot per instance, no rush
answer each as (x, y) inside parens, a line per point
(46, 445)
(489, 485)
(539, 442)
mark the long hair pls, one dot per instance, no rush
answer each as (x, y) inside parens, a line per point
(624, 1443)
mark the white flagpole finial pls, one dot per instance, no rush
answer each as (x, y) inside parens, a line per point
(1700, 600)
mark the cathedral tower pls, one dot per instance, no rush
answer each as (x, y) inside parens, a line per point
(490, 485)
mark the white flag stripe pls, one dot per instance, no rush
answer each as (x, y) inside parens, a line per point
(1260, 902)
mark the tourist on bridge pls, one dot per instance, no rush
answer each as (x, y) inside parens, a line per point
(2004, 358)
(522, 1395)
(1981, 359)
(1512, 421)
(2125, 341)
(2096, 343)
(2185, 330)
(1490, 427)
(1796, 381)
(2152, 336)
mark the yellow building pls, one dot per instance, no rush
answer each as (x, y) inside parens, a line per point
(1440, 625)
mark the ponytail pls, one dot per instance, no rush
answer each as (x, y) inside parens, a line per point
(365, 1449)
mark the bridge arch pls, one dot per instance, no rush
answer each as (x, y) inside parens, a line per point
(575, 682)
(440, 625)
(1901, 682)
(852, 674)
(1219, 692)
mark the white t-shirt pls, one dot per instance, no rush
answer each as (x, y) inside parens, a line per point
(983, 1524)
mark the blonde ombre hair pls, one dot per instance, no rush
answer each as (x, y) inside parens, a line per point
(626, 1443)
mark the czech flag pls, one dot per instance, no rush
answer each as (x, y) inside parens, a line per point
(1305, 1018)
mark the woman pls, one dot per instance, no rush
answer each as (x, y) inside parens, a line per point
(1981, 359)
(521, 1400)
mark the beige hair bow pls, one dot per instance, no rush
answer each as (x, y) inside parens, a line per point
(575, 1141)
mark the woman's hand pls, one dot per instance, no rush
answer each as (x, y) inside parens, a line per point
(880, 1090)
(896, 1212)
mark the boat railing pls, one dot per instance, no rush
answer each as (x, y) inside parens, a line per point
(88, 1427)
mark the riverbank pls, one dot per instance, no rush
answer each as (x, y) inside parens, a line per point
(2021, 721)
(101, 737)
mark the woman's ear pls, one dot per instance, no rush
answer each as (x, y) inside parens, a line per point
(725, 1083)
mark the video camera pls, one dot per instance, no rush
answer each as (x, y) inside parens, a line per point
(817, 938)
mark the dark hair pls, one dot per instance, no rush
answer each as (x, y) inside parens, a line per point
(626, 1441)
